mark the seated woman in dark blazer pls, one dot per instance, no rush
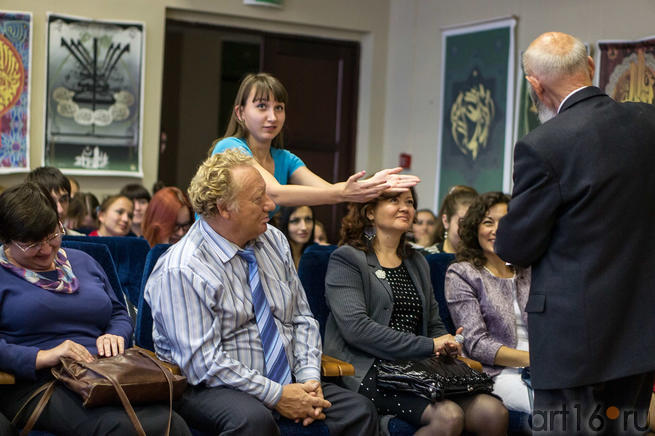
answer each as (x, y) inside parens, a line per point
(58, 303)
(383, 308)
(487, 297)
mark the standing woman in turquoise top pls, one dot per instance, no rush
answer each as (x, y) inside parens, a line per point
(256, 127)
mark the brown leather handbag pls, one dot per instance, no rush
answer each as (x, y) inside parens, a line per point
(134, 377)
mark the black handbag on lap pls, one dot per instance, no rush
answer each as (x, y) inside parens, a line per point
(434, 378)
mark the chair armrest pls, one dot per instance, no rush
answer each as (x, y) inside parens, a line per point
(473, 364)
(7, 379)
(331, 367)
(171, 367)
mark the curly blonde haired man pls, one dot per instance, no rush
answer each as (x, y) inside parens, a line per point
(229, 309)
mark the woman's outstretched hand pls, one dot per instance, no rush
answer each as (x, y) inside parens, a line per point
(389, 180)
(398, 182)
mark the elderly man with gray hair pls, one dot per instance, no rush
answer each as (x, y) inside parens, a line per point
(581, 215)
(229, 309)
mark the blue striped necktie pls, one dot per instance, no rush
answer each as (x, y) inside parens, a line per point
(277, 365)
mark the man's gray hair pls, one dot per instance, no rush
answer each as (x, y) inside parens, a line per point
(551, 60)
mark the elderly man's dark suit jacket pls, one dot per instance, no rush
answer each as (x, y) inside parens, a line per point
(583, 215)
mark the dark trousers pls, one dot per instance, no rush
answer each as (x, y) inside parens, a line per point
(65, 415)
(227, 411)
(6, 429)
(614, 407)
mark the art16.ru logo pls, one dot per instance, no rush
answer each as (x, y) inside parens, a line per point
(574, 420)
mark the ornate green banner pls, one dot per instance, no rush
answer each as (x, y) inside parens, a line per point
(477, 107)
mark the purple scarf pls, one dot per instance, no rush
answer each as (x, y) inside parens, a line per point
(66, 281)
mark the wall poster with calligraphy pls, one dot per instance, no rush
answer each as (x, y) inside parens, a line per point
(626, 69)
(94, 96)
(477, 91)
(15, 63)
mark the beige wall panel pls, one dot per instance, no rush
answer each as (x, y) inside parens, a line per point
(413, 90)
(363, 20)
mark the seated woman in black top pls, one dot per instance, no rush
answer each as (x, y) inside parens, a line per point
(383, 308)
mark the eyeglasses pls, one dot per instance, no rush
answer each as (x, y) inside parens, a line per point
(36, 246)
(184, 227)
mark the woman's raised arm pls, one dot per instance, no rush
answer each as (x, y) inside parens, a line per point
(309, 189)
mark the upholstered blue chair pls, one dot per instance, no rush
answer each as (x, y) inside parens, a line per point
(439, 263)
(311, 270)
(129, 255)
(102, 255)
(143, 333)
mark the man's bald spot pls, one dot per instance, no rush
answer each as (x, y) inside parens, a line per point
(554, 54)
(556, 43)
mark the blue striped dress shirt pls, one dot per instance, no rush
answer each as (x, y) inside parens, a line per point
(203, 318)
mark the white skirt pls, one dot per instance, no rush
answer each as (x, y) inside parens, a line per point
(515, 394)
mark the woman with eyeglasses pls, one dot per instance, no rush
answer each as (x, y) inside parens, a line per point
(297, 224)
(168, 217)
(57, 303)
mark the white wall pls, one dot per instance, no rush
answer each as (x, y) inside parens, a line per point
(414, 57)
(362, 20)
(400, 59)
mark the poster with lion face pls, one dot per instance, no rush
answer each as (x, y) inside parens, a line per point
(94, 96)
(15, 62)
(477, 107)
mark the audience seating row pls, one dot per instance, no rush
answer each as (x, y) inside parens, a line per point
(129, 256)
(312, 270)
(128, 263)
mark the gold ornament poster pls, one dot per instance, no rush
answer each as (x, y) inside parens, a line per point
(626, 69)
(477, 98)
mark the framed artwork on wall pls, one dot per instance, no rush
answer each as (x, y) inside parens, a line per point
(15, 72)
(625, 70)
(477, 102)
(94, 96)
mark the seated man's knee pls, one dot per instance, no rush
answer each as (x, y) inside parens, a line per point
(369, 413)
(254, 421)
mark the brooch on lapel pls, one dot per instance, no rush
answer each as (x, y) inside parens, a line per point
(380, 274)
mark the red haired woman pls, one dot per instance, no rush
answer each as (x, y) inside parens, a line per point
(168, 217)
